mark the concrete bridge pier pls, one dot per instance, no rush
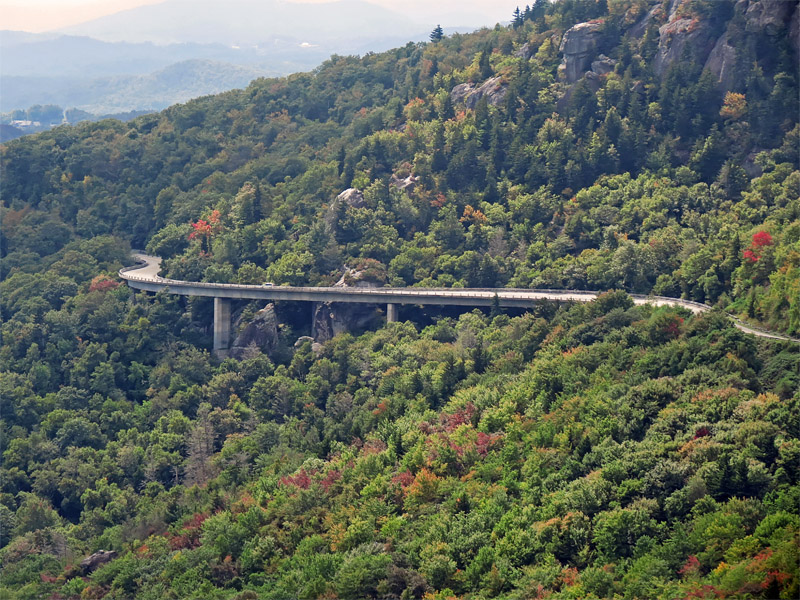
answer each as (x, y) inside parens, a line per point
(222, 326)
(391, 313)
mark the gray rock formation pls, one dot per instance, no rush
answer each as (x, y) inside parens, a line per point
(101, 557)
(302, 340)
(593, 81)
(259, 335)
(769, 16)
(459, 93)
(525, 51)
(722, 63)
(333, 318)
(750, 166)
(493, 89)
(353, 197)
(316, 347)
(603, 65)
(678, 35)
(407, 183)
(674, 5)
(579, 47)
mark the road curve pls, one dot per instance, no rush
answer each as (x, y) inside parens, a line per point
(145, 276)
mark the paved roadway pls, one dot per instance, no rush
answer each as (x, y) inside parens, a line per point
(144, 276)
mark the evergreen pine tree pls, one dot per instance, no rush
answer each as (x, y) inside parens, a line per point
(437, 34)
(496, 310)
(257, 210)
(484, 66)
(448, 112)
(518, 19)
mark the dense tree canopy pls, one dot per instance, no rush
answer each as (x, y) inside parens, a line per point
(588, 451)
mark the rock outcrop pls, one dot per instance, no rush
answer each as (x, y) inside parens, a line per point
(722, 63)
(460, 92)
(679, 35)
(101, 557)
(603, 65)
(302, 340)
(769, 16)
(353, 197)
(686, 32)
(525, 51)
(493, 89)
(316, 347)
(259, 335)
(579, 47)
(406, 183)
(333, 318)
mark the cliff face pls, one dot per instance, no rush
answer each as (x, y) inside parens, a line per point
(711, 39)
(682, 37)
(580, 47)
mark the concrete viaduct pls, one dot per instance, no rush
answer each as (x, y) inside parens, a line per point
(144, 276)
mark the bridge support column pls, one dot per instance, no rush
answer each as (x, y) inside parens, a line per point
(391, 313)
(222, 326)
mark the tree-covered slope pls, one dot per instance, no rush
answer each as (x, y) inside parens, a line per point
(643, 178)
(588, 451)
(597, 451)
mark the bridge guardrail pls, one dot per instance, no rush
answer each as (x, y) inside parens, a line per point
(125, 273)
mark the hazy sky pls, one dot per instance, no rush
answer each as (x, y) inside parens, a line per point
(44, 15)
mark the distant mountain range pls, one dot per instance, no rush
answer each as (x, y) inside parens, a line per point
(176, 83)
(58, 55)
(345, 24)
(106, 77)
(153, 56)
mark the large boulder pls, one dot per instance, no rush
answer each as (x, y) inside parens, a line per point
(332, 318)
(579, 47)
(493, 89)
(101, 557)
(259, 335)
(404, 183)
(352, 197)
(603, 65)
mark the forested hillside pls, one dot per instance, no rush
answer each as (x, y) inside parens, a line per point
(590, 451)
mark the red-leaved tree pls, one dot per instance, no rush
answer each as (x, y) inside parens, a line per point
(761, 240)
(205, 230)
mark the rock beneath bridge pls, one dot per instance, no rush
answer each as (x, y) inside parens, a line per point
(259, 335)
(332, 318)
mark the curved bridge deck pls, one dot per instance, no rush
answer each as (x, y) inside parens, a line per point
(144, 276)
